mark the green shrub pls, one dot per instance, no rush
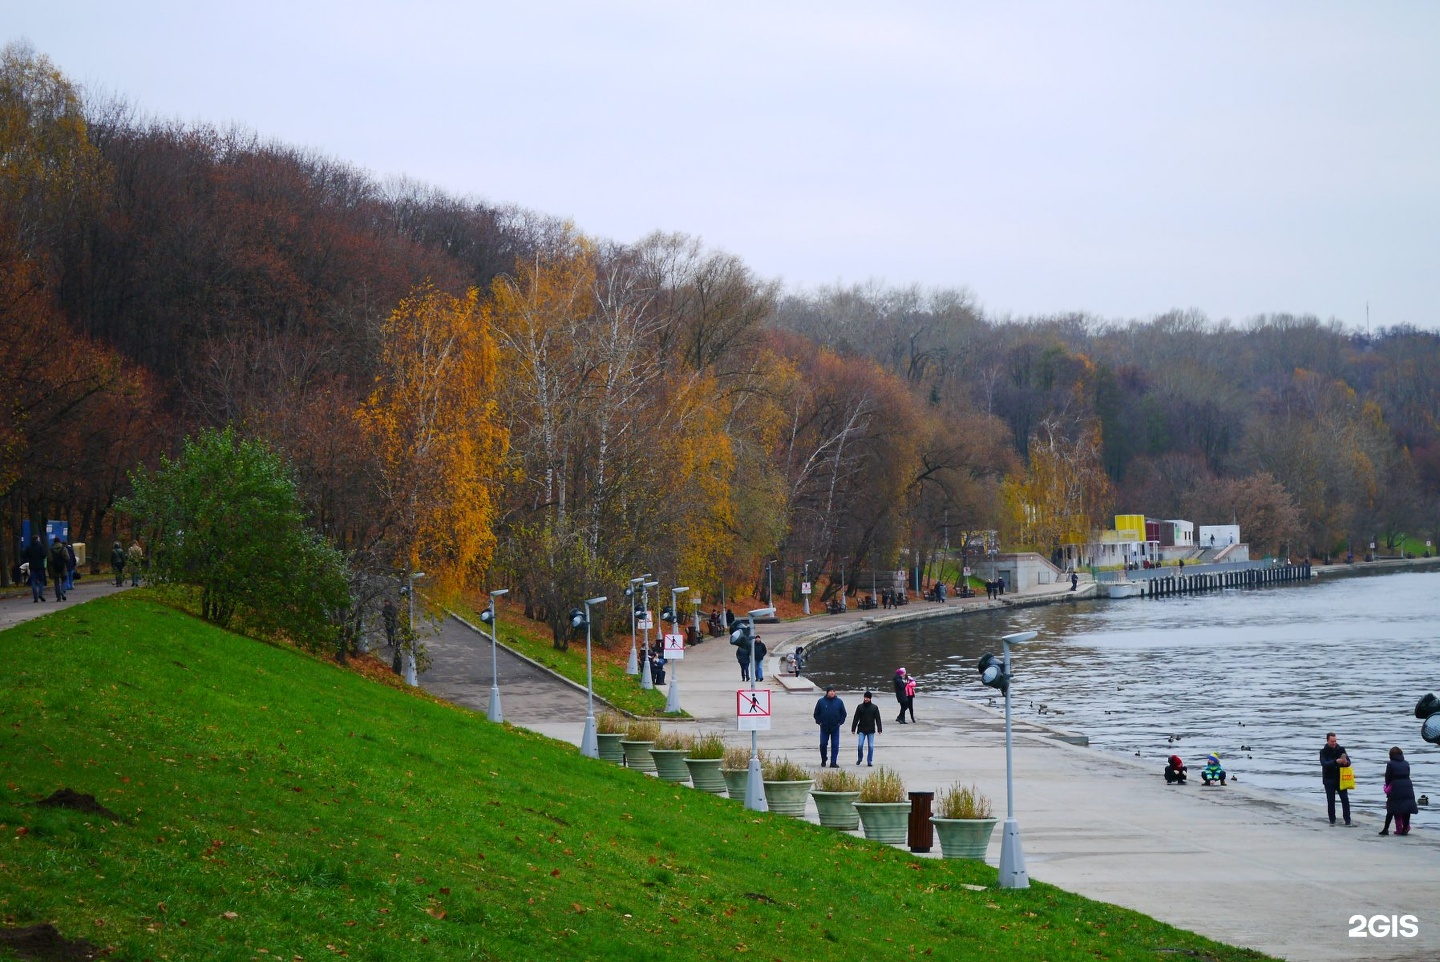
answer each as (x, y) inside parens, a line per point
(882, 785)
(836, 780)
(707, 745)
(642, 730)
(782, 769)
(962, 801)
(612, 723)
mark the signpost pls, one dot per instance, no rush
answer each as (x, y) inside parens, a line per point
(674, 647)
(752, 709)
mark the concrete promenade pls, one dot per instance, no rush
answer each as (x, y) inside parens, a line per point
(1242, 865)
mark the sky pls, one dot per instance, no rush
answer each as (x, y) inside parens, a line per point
(1117, 158)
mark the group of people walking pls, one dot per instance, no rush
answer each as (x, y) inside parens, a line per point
(830, 714)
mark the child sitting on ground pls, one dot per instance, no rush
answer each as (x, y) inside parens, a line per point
(1175, 771)
(1212, 771)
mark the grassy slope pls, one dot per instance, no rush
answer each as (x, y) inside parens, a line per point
(335, 816)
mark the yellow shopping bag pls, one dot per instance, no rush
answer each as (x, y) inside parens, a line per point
(1347, 779)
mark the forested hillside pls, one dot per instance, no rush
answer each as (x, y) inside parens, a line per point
(492, 396)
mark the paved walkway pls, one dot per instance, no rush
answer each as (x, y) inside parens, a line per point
(1241, 865)
(19, 607)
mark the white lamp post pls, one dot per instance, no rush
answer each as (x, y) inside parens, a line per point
(770, 582)
(589, 744)
(1012, 855)
(633, 666)
(645, 680)
(488, 617)
(744, 633)
(672, 697)
(807, 582)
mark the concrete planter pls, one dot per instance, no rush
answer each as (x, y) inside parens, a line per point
(887, 822)
(670, 764)
(705, 775)
(788, 798)
(637, 755)
(837, 809)
(736, 781)
(964, 837)
(610, 749)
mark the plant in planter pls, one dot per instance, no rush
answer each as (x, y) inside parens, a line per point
(707, 754)
(964, 822)
(735, 769)
(610, 729)
(835, 792)
(883, 806)
(787, 785)
(640, 734)
(669, 751)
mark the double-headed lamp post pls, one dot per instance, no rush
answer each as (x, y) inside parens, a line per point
(589, 744)
(488, 617)
(633, 665)
(672, 697)
(1012, 855)
(646, 682)
(743, 633)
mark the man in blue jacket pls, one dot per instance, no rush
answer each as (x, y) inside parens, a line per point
(830, 714)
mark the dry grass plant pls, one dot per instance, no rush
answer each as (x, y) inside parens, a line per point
(707, 745)
(671, 741)
(963, 801)
(837, 780)
(612, 723)
(642, 730)
(737, 757)
(882, 785)
(782, 769)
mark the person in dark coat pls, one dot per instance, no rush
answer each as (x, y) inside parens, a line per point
(1332, 759)
(866, 723)
(117, 563)
(742, 655)
(657, 662)
(59, 561)
(899, 681)
(1175, 771)
(760, 652)
(830, 715)
(35, 558)
(1400, 794)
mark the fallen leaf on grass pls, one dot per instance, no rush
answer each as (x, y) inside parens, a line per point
(435, 911)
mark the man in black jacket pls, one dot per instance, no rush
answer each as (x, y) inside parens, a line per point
(866, 723)
(1332, 759)
(830, 715)
(35, 557)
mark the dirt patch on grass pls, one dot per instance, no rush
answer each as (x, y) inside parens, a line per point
(44, 943)
(68, 798)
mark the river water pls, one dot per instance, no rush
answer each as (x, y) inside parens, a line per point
(1257, 675)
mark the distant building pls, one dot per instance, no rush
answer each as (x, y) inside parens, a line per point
(1218, 535)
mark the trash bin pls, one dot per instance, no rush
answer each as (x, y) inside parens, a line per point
(922, 833)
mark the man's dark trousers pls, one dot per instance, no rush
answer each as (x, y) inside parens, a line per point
(830, 735)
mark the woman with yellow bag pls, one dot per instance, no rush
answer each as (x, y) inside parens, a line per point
(1337, 775)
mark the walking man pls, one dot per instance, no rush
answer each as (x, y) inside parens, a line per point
(117, 564)
(742, 655)
(866, 723)
(1333, 758)
(35, 558)
(760, 652)
(58, 562)
(134, 558)
(830, 715)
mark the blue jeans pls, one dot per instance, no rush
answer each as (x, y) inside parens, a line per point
(37, 584)
(830, 734)
(759, 669)
(867, 740)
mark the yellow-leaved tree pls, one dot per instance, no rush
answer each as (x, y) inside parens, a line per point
(1064, 492)
(438, 441)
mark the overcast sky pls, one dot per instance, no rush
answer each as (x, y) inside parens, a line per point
(1116, 158)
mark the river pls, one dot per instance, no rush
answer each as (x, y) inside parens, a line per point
(1257, 675)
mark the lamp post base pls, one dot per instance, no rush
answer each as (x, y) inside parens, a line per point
(495, 714)
(631, 667)
(755, 788)
(645, 681)
(1012, 858)
(589, 744)
(672, 697)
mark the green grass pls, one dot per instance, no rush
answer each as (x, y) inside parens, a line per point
(274, 801)
(611, 683)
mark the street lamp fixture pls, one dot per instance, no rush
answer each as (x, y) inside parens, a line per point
(488, 617)
(645, 680)
(996, 673)
(770, 582)
(672, 697)
(807, 582)
(633, 665)
(743, 634)
(589, 744)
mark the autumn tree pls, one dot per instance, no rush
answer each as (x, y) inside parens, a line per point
(432, 422)
(1063, 494)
